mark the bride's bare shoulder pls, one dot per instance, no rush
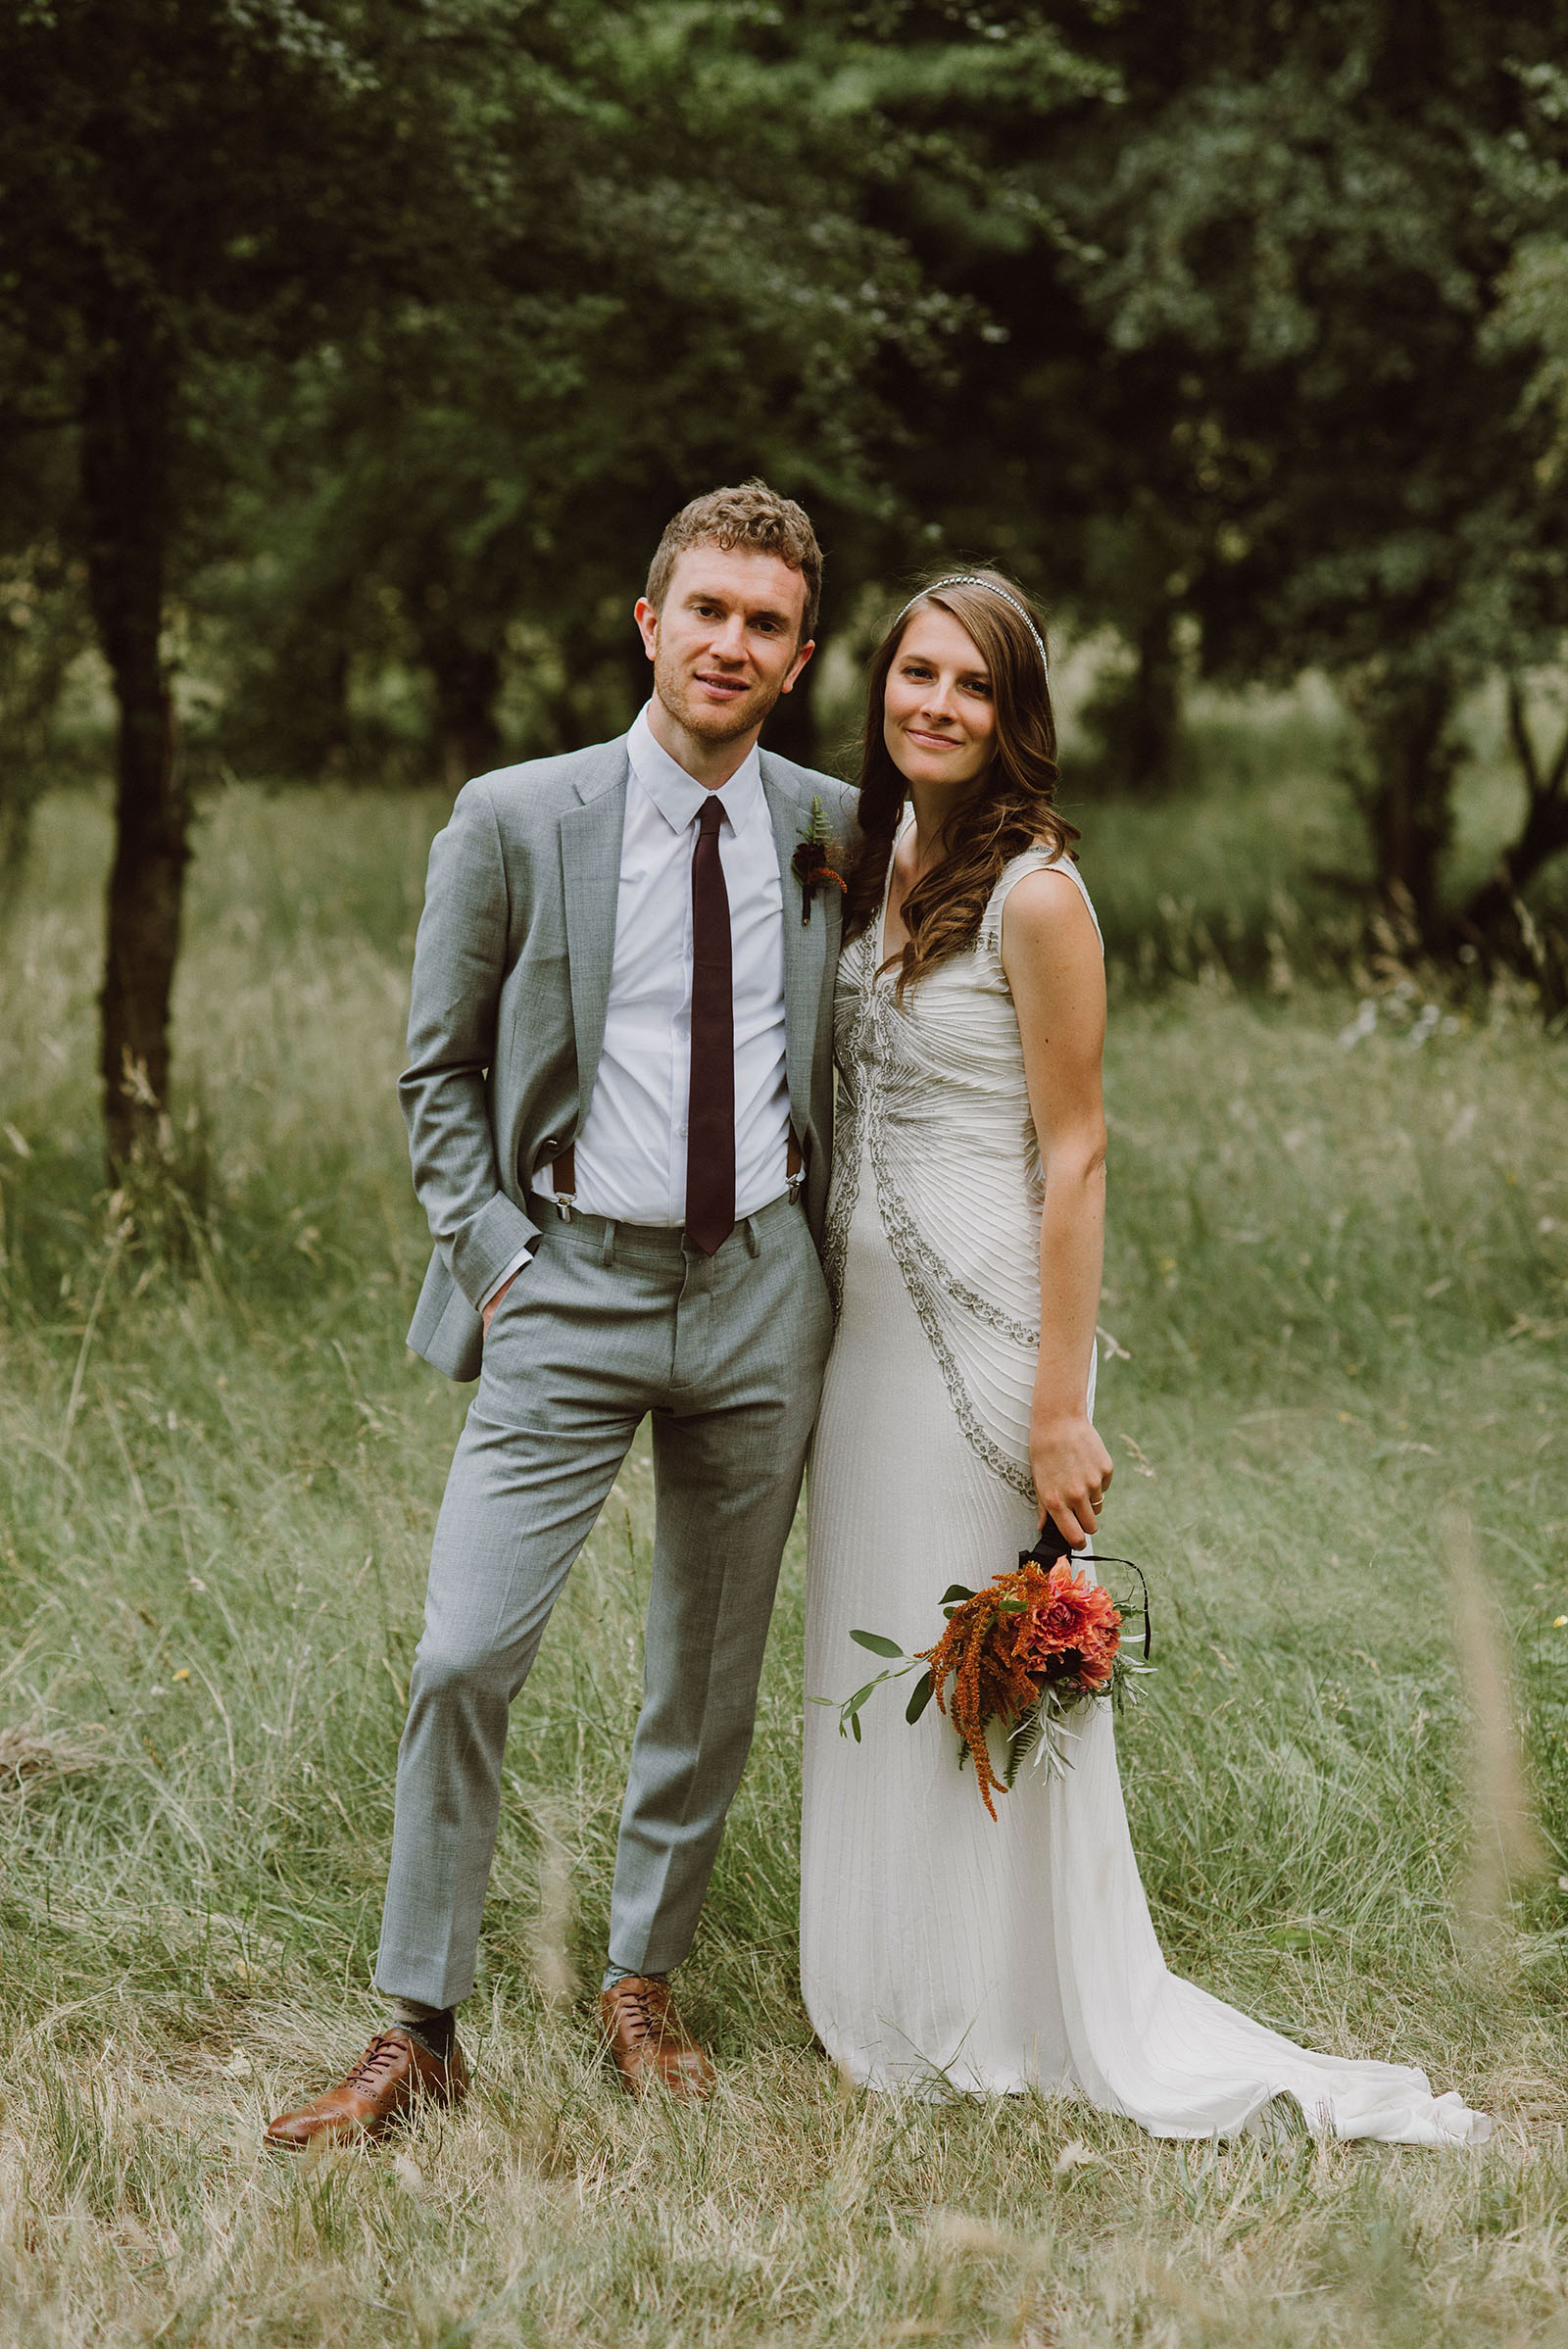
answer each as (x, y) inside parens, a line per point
(1048, 903)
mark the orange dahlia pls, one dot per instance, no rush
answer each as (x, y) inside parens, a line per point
(1070, 1629)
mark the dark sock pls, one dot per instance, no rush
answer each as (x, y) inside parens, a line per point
(436, 2032)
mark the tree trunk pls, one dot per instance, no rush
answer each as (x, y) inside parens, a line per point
(16, 827)
(1489, 912)
(1155, 708)
(1490, 916)
(1134, 717)
(1410, 804)
(125, 489)
(467, 681)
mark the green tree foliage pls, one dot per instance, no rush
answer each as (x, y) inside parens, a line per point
(189, 184)
(1264, 321)
(394, 327)
(723, 283)
(1308, 222)
(382, 335)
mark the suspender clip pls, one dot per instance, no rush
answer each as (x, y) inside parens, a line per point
(563, 1182)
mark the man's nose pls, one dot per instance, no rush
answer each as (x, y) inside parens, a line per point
(729, 643)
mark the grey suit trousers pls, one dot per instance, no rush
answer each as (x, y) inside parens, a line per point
(605, 1323)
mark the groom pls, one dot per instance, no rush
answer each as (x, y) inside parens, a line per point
(620, 1100)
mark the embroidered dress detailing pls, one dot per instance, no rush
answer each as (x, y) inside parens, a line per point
(848, 1136)
(935, 1109)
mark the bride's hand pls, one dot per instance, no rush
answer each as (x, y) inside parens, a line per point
(1072, 1471)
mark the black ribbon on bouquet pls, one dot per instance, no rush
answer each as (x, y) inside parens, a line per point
(1054, 1546)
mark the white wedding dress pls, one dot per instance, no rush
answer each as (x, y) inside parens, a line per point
(939, 1951)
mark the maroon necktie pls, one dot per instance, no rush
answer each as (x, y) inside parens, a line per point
(710, 1103)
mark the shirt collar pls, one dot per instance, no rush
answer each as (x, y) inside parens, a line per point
(678, 796)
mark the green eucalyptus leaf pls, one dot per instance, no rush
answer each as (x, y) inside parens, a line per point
(878, 1646)
(920, 1699)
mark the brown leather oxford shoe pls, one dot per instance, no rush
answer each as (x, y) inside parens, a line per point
(648, 2045)
(392, 2076)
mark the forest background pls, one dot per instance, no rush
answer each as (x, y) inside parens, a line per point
(352, 353)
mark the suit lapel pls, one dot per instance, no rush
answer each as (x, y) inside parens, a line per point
(590, 873)
(805, 942)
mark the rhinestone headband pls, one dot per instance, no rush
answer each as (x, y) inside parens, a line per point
(974, 579)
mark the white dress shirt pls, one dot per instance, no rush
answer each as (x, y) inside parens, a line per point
(631, 1150)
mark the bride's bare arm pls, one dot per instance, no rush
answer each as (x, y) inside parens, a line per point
(1051, 956)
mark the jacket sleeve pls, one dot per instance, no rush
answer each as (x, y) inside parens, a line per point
(459, 961)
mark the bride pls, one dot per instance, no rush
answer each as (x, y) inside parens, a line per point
(939, 1950)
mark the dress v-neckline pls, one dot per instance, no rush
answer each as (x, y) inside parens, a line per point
(881, 939)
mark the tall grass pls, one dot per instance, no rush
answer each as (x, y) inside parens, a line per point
(1258, 869)
(1336, 1305)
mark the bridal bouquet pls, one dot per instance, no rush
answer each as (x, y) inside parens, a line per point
(1023, 1652)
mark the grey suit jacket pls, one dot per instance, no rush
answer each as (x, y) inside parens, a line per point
(511, 988)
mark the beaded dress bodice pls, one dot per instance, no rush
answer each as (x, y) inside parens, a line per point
(934, 1117)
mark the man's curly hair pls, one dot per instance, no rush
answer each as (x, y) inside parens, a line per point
(752, 517)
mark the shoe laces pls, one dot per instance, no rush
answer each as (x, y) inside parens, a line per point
(643, 2011)
(376, 2061)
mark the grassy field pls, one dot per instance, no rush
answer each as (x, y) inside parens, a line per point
(1337, 1302)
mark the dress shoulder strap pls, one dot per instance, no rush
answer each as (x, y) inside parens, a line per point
(1038, 860)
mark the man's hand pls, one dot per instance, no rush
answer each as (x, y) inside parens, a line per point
(487, 1313)
(1072, 1471)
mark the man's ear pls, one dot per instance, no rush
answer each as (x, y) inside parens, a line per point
(803, 654)
(647, 618)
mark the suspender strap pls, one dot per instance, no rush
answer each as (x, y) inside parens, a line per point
(564, 1175)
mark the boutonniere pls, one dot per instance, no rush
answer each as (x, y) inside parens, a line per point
(814, 862)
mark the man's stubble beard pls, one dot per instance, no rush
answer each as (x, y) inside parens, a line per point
(709, 725)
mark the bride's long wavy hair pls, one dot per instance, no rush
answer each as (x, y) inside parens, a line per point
(1012, 806)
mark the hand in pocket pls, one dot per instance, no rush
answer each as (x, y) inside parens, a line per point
(487, 1313)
